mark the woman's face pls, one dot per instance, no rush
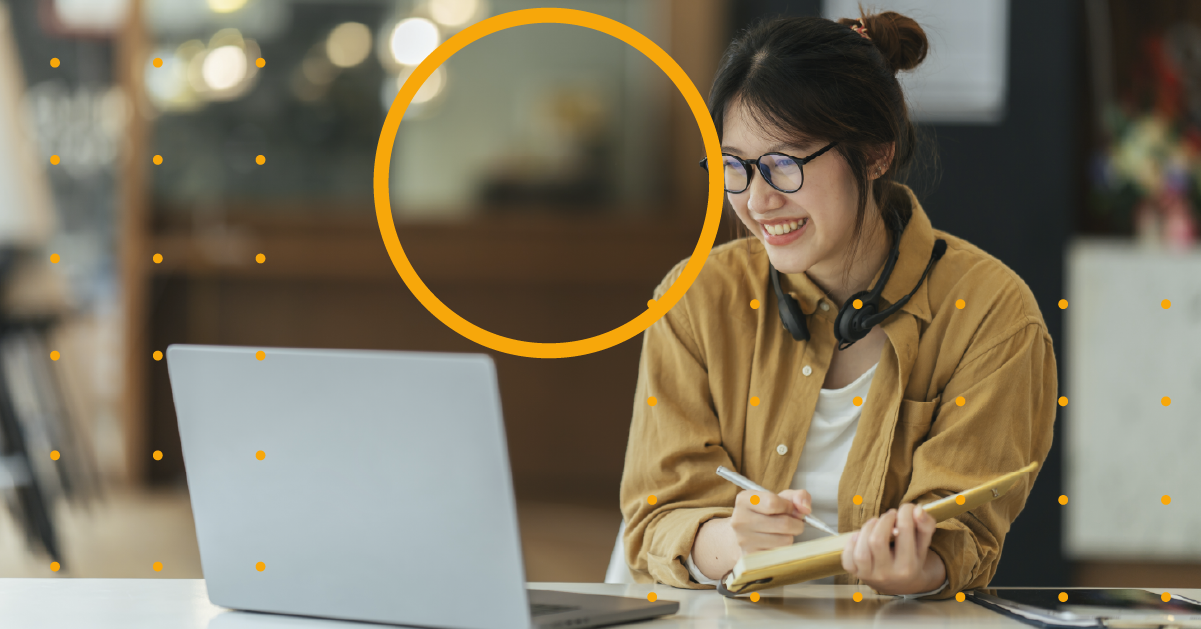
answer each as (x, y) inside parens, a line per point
(821, 215)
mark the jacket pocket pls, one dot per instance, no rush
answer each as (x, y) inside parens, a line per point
(913, 424)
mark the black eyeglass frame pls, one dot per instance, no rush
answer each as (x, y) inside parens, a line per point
(746, 166)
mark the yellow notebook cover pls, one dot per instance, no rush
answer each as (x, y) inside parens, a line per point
(822, 557)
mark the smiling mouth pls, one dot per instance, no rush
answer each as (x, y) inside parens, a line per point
(783, 228)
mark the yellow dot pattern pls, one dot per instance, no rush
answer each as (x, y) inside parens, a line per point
(158, 566)
(858, 401)
(960, 304)
(1166, 401)
(261, 355)
(54, 355)
(857, 499)
(857, 596)
(754, 597)
(754, 304)
(1166, 499)
(260, 455)
(651, 499)
(755, 400)
(158, 355)
(54, 567)
(1167, 303)
(1063, 304)
(1063, 597)
(1063, 500)
(260, 258)
(158, 455)
(755, 499)
(260, 160)
(54, 62)
(54, 160)
(858, 303)
(158, 258)
(158, 62)
(54, 258)
(960, 597)
(650, 303)
(158, 159)
(54, 455)
(260, 62)
(960, 401)
(960, 499)
(1165, 597)
(1063, 401)
(652, 597)
(260, 566)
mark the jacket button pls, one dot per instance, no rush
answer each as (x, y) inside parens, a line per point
(825, 307)
(807, 370)
(782, 449)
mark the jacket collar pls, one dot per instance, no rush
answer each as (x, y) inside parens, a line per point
(917, 243)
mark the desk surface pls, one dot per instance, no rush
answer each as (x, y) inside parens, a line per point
(54, 603)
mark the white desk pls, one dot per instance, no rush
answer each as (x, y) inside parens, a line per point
(63, 603)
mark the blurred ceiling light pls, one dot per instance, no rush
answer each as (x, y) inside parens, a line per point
(348, 44)
(413, 40)
(227, 37)
(225, 6)
(453, 12)
(224, 68)
(318, 70)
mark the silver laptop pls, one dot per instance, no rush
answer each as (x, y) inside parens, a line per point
(362, 485)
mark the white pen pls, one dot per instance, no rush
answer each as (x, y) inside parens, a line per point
(746, 483)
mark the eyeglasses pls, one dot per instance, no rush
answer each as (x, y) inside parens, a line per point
(782, 172)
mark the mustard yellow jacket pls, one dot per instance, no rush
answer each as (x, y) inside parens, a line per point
(708, 356)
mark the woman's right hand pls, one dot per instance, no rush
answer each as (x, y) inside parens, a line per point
(771, 523)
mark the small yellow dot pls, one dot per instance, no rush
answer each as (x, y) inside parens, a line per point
(960, 401)
(651, 499)
(158, 455)
(960, 499)
(260, 258)
(652, 400)
(260, 455)
(54, 160)
(755, 499)
(857, 499)
(755, 400)
(158, 159)
(260, 566)
(857, 597)
(960, 597)
(1165, 597)
(1167, 303)
(1063, 500)
(54, 567)
(652, 597)
(158, 566)
(158, 257)
(54, 355)
(260, 62)
(1063, 597)
(650, 303)
(1166, 499)
(959, 303)
(1063, 305)
(54, 62)
(754, 597)
(1063, 400)
(1166, 400)
(754, 304)
(858, 401)
(54, 258)
(158, 355)
(260, 355)
(54, 455)
(858, 303)
(158, 62)
(260, 160)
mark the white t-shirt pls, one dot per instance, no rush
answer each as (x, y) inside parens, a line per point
(823, 458)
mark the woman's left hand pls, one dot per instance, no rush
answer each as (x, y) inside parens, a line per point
(906, 567)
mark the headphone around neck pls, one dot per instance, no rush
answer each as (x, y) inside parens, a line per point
(853, 324)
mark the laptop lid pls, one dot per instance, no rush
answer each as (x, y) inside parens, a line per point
(383, 491)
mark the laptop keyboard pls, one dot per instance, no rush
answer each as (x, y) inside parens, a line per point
(542, 609)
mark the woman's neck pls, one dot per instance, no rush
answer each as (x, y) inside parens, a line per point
(870, 258)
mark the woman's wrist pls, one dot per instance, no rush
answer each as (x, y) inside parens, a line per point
(715, 549)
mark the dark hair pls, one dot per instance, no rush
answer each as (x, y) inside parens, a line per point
(810, 79)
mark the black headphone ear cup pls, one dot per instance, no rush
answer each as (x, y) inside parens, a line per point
(846, 324)
(793, 317)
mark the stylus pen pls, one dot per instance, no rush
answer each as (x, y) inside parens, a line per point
(746, 483)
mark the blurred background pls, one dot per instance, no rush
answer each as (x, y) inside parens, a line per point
(543, 182)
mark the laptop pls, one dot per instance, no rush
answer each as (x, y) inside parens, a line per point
(362, 485)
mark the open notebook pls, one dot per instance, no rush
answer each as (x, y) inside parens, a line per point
(822, 557)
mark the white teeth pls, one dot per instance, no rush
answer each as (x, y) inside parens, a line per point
(784, 228)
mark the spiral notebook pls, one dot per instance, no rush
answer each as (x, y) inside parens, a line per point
(822, 557)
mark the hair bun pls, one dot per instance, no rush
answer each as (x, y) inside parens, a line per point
(900, 39)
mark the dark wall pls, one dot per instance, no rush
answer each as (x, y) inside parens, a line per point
(1012, 189)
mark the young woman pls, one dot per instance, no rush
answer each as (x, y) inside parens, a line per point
(848, 416)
